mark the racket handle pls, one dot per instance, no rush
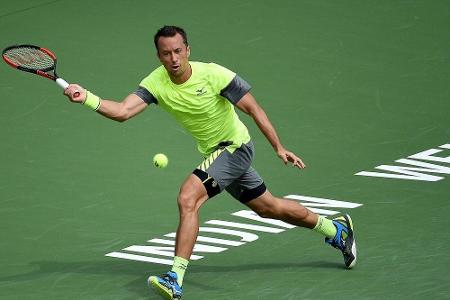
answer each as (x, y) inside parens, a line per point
(62, 83)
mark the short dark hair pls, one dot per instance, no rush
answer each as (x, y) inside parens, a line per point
(170, 31)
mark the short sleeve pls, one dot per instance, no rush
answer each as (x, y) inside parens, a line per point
(149, 86)
(236, 89)
(145, 95)
(220, 77)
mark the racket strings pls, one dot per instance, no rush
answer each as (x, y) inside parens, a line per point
(30, 58)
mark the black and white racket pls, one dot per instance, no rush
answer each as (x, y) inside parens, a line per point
(36, 60)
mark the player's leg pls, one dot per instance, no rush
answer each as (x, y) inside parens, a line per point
(338, 232)
(207, 180)
(268, 206)
(190, 198)
(250, 190)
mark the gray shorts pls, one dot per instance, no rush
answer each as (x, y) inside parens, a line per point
(232, 172)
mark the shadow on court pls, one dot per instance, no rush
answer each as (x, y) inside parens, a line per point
(141, 272)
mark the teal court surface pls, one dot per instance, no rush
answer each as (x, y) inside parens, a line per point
(359, 89)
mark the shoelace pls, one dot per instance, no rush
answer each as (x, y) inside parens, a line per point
(172, 284)
(168, 278)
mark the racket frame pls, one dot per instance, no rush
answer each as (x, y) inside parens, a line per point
(41, 72)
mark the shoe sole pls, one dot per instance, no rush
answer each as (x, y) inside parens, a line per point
(158, 288)
(351, 236)
(353, 263)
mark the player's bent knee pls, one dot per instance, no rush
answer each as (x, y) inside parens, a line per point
(186, 203)
(190, 200)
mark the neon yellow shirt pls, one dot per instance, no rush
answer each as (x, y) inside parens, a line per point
(198, 106)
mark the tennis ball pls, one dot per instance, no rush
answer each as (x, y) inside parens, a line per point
(160, 160)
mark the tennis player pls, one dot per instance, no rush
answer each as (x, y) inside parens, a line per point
(202, 97)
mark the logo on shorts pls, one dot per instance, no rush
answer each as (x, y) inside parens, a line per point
(214, 184)
(201, 91)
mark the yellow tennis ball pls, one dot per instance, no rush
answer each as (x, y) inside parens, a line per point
(160, 160)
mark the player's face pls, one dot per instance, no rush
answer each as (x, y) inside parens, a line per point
(174, 55)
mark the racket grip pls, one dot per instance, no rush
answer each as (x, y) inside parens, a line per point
(62, 83)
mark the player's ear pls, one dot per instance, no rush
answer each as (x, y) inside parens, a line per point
(188, 51)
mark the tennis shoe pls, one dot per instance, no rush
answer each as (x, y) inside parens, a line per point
(344, 239)
(166, 285)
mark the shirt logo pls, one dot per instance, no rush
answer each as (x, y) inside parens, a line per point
(201, 91)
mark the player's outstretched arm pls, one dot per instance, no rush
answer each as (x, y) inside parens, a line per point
(117, 111)
(249, 105)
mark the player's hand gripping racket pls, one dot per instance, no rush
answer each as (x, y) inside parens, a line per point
(36, 60)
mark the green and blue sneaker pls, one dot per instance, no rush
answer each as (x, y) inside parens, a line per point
(344, 239)
(166, 285)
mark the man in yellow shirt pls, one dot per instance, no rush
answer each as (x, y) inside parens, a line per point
(202, 97)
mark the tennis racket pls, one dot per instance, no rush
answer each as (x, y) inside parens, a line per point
(36, 60)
